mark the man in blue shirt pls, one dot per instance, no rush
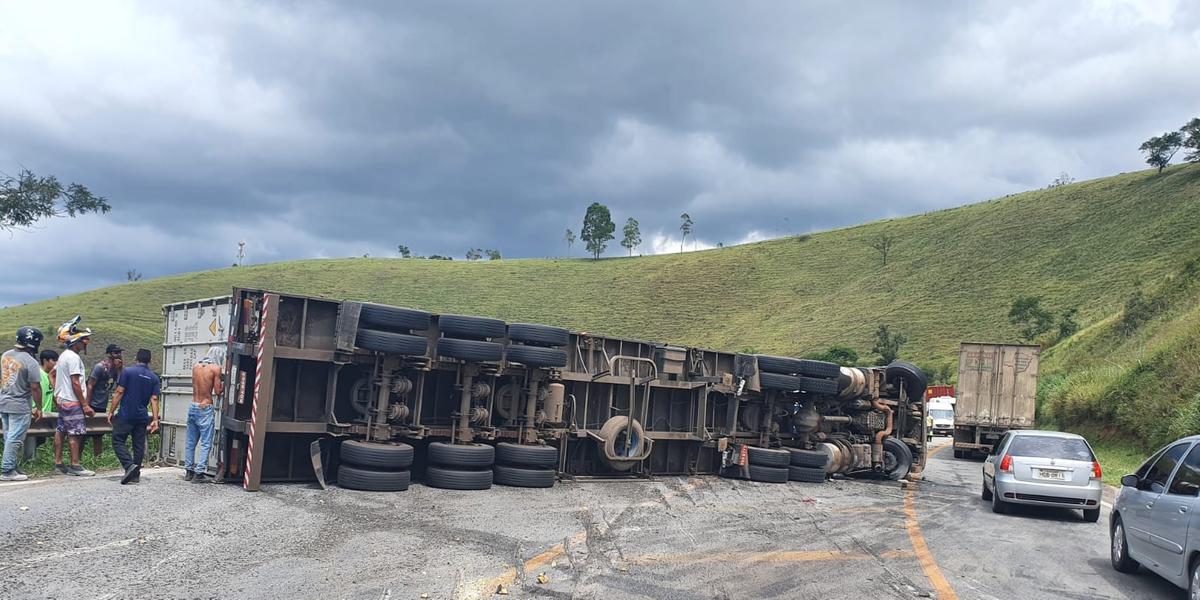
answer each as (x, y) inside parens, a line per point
(137, 388)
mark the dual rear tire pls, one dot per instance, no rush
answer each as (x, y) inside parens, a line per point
(519, 465)
(375, 466)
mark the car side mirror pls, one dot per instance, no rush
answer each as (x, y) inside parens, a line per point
(1129, 481)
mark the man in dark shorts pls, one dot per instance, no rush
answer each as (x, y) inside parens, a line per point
(73, 408)
(101, 384)
(138, 389)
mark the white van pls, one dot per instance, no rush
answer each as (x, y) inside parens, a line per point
(942, 411)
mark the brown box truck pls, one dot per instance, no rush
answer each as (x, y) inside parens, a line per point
(996, 392)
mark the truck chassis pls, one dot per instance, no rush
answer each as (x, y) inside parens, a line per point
(305, 375)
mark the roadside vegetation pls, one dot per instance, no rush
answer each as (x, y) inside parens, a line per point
(1132, 379)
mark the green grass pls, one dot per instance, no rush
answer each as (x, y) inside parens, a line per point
(1118, 455)
(43, 460)
(951, 277)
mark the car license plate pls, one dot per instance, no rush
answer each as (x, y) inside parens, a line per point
(1052, 475)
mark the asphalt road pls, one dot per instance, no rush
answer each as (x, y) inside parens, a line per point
(669, 538)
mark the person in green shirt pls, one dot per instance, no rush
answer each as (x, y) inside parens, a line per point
(49, 359)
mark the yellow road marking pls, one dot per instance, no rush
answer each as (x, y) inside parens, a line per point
(781, 556)
(928, 565)
(488, 587)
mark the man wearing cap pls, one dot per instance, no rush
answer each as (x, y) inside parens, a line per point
(101, 384)
(138, 389)
(20, 394)
(73, 408)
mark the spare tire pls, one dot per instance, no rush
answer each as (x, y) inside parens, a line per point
(768, 457)
(477, 456)
(371, 480)
(518, 455)
(791, 383)
(808, 458)
(541, 335)
(454, 479)
(391, 343)
(806, 474)
(535, 356)
(613, 432)
(469, 350)
(393, 317)
(912, 377)
(377, 455)
(767, 474)
(798, 366)
(520, 477)
(475, 328)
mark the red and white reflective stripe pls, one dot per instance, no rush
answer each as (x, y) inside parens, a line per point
(262, 336)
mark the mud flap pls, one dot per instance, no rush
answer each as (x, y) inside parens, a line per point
(314, 452)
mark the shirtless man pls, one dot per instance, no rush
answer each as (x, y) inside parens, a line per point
(206, 386)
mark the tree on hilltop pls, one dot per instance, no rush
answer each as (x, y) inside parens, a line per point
(1191, 140)
(1160, 149)
(597, 229)
(633, 235)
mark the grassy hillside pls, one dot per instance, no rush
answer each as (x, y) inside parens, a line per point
(1132, 380)
(951, 276)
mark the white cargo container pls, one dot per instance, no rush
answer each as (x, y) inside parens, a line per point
(191, 329)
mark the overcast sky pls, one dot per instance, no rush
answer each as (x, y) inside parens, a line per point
(329, 130)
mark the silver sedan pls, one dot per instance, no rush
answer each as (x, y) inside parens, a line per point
(1155, 514)
(1043, 468)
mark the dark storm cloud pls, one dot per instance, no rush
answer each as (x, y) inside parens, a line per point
(343, 129)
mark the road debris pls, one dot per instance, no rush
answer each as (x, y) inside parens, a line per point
(501, 590)
(542, 579)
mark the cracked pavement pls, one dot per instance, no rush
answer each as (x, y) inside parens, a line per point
(674, 537)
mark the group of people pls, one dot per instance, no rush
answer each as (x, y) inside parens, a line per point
(129, 395)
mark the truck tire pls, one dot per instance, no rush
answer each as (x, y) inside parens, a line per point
(472, 328)
(518, 455)
(469, 350)
(902, 459)
(393, 317)
(768, 457)
(377, 455)
(391, 343)
(814, 459)
(454, 479)
(806, 474)
(910, 375)
(469, 456)
(539, 335)
(521, 477)
(371, 480)
(535, 356)
(613, 429)
(798, 366)
(792, 383)
(767, 474)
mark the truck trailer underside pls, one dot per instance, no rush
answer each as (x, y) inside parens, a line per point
(318, 389)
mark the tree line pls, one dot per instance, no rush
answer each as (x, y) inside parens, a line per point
(598, 229)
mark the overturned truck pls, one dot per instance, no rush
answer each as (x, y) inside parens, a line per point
(370, 394)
